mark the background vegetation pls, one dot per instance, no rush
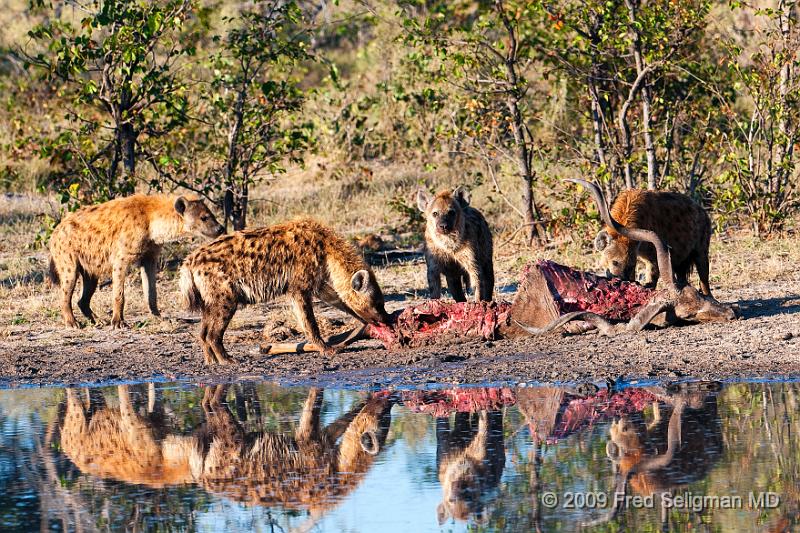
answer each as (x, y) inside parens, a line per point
(341, 109)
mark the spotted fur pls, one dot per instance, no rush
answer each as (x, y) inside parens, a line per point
(680, 445)
(312, 469)
(118, 443)
(301, 259)
(680, 222)
(470, 463)
(458, 244)
(105, 240)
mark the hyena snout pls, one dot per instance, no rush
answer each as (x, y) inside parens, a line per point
(447, 222)
(198, 218)
(617, 267)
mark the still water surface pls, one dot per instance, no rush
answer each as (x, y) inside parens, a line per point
(259, 457)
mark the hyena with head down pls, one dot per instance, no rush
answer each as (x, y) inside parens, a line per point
(682, 224)
(458, 244)
(104, 240)
(301, 259)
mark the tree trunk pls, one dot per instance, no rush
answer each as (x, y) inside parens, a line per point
(239, 215)
(627, 149)
(782, 166)
(113, 166)
(649, 145)
(532, 218)
(636, 50)
(128, 136)
(596, 126)
(237, 211)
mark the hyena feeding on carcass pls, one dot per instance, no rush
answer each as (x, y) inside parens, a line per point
(301, 259)
(312, 469)
(106, 239)
(458, 244)
(681, 223)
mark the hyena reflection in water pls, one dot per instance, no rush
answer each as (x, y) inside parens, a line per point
(470, 459)
(122, 444)
(311, 469)
(678, 446)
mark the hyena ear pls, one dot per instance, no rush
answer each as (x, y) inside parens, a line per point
(602, 240)
(360, 281)
(180, 205)
(461, 195)
(423, 200)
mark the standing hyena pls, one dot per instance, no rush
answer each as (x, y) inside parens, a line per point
(682, 224)
(470, 462)
(458, 244)
(301, 259)
(106, 239)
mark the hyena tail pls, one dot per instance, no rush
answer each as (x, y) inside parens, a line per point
(52, 272)
(192, 299)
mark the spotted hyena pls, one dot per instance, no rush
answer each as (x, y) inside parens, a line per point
(470, 461)
(681, 223)
(301, 259)
(324, 462)
(312, 469)
(105, 240)
(458, 244)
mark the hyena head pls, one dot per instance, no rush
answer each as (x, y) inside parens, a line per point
(366, 298)
(197, 218)
(461, 492)
(625, 447)
(617, 255)
(445, 211)
(366, 435)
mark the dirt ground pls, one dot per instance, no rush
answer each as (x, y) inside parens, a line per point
(763, 277)
(765, 343)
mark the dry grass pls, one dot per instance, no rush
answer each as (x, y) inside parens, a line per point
(737, 260)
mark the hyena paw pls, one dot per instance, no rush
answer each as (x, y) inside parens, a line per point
(329, 350)
(118, 323)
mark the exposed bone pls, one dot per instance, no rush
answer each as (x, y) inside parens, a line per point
(339, 341)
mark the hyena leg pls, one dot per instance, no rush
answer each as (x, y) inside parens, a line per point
(455, 287)
(118, 290)
(434, 280)
(485, 291)
(479, 283)
(304, 313)
(89, 287)
(205, 322)
(308, 428)
(148, 271)
(68, 272)
(701, 262)
(220, 317)
(651, 261)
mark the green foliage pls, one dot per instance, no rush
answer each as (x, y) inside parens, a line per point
(116, 68)
(122, 95)
(760, 174)
(252, 103)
